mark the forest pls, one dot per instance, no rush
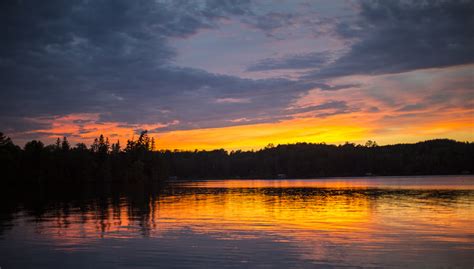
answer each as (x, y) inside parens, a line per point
(138, 161)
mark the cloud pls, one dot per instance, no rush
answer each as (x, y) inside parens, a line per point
(328, 108)
(21, 124)
(411, 107)
(232, 100)
(400, 36)
(272, 21)
(383, 38)
(115, 60)
(299, 61)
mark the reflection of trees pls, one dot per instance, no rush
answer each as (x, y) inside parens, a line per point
(99, 210)
(101, 206)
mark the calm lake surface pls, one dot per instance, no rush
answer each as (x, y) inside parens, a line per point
(397, 222)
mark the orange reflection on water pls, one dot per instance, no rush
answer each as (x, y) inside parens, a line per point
(294, 212)
(254, 210)
(418, 183)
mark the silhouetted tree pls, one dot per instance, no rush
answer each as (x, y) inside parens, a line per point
(116, 147)
(34, 147)
(65, 145)
(139, 162)
(58, 144)
(9, 159)
(371, 143)
(103, 146)
(95, 146)
(81, 147)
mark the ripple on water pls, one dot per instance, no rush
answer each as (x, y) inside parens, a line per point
(379, 222)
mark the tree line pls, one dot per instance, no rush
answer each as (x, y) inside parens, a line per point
(138, 161)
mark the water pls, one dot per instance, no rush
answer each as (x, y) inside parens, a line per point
(411, 222)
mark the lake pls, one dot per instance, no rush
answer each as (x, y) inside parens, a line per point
(397, 222)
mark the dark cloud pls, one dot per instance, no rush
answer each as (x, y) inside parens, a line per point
(386, 37)
(35, 135)
(272, 21)
(222, 8)
(16, 124)
(284, 23)
(400, 36)
(373, 109)
(337, 107)
(113, 58)
(411, 107)
(299, 61)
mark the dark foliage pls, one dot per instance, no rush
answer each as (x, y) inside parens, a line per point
(138, 162)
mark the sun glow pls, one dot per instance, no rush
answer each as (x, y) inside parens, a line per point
(355, 127)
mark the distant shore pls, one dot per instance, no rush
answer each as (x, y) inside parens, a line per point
(138, 162)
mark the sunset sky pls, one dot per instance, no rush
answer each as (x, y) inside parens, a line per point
(237, 74)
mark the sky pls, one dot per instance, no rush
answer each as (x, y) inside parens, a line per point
(237, 74)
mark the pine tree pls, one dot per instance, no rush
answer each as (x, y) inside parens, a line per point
(65, 145)
(95, 146)
(104, 146)
(58, 144)
(116, 147)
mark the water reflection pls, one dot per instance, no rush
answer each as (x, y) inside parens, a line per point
(251, 223)
(415, 182)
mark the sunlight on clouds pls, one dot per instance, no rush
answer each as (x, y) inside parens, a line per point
(87, 126)
(356, 127)
(400, 108)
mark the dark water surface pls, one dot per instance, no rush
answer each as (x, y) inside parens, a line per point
(410, 222)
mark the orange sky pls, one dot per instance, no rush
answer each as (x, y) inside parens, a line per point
(355, 127)
(390, 109)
